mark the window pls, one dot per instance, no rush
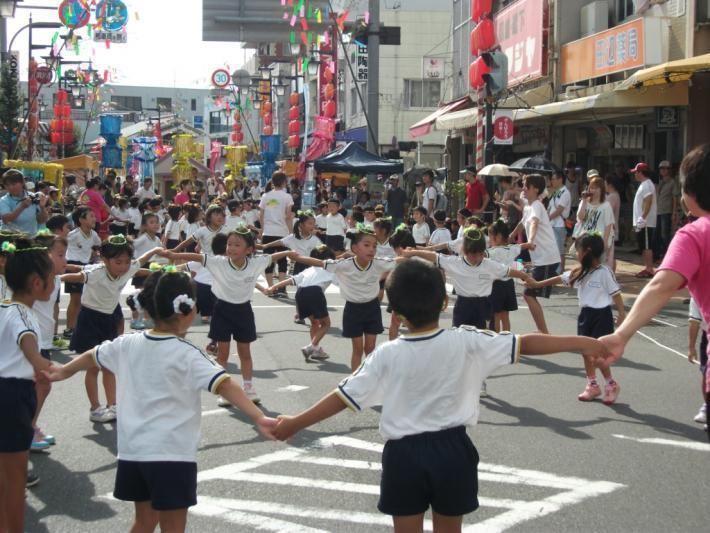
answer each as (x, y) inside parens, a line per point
(216, 125)
(354, 107)
(624, 9)
(193, 104)
(165, 104)
(127, 103)
(422, 93)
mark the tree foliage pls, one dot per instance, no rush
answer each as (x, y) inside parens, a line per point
(10, 104)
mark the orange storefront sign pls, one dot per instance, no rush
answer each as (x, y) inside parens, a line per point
(615, 50)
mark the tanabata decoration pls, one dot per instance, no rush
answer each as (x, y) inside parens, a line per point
(236, 159)
(270, 149)
(112, 15)
(183, 150)
(39, 171)
(74, 14)
(111, 152)
(146, 157)
(323, 137)
(61, 128)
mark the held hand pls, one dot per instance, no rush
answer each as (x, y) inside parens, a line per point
(285, 428)
(266, 426)
(597, 353)
(530, 283)
(619, 320)
(55, 373)
(614, 345)
(532, 246)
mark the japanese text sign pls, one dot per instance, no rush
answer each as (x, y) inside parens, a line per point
(520, 30)
(615, 50)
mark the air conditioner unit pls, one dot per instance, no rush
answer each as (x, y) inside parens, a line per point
(594, 18)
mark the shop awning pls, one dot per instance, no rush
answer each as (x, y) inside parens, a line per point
(424, 126)
(671, 72)
(611, 104)
(458, 120)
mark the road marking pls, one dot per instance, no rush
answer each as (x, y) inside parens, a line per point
(654, 341)
(663, 322)
(573, 490)
(698, 446)
(220, 411)
(292, 388)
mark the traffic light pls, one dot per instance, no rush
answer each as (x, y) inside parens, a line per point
(496, 79)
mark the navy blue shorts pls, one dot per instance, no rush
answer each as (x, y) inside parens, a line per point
(472, 311)
(311, 303)
(205, 299)
(283, 262)
(335, 242)
(541, 273)
(503, 297)
(74, 288)
(299, 267)
(362, 319)
(168, 485)
(18, 402)
(438, 469)
(171, 243)
(232, 321)
(595, 323)
(93, 328)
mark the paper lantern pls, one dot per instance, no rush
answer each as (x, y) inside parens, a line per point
(294, 113)
(268, 119)
(267, 107)
(480, 8)
(237, 115)
(237, 126)
(62, 97)
(293, 142)
(294, 127)
(329, 91)
(483, 37)
(240, 136)
(329, 109)
(328, 75)
(294, 99)
(476, 71)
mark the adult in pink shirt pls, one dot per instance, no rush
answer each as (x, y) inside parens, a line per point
(94, 200)
(183, 196)
(686, 261)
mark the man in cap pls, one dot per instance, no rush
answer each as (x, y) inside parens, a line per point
(396, 200)
(668, 196)
(644, 216)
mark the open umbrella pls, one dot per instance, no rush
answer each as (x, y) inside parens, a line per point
(496, 169)
(535, 164)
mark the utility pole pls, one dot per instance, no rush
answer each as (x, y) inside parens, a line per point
(373, 77)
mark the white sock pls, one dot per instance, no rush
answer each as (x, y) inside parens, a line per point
(247, 383)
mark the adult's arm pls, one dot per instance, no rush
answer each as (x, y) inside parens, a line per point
(10, 216)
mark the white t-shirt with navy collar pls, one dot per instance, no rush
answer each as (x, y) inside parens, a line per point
(16, 321)
(102, 291)
(44, 312)
(159, 381)
(505, 255)
(472, 280)
(439, 236)
(335, 225)
(596, 289)
(428, 382)
(144, 244)
(357, 284)
(303, 246)
(80, 245)
(421, 233)
(204, 237)
(233, 284)
(313, 277)
(384, 249)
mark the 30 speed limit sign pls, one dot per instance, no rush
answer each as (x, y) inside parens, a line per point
(221, 78)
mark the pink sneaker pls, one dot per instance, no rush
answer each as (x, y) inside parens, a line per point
(590, 392)
(611, 392)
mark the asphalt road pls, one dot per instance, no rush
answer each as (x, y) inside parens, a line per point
(549, 463)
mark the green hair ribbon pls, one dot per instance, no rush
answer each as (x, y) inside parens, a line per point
(8, 247)
(473, 234)
(241, 229)
(401, 227)
(117, 240)
(306, 213)
(44, 233)
(594, 233)
(362, 228)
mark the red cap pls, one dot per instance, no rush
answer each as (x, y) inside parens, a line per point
(641, 167)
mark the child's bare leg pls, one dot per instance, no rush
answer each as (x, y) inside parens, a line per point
(370, 342)
(173, 521)
(109, 380)
(42, 386)
(409, 524)
(245, 362)
(223, 353)
(446, 524)
(591, 370)
(13, 475)
(73, 309)
(537, 313)
(313, 330)
(356, 357)
(146, 518)
(91, 382)
(323, 327)
(504, 321)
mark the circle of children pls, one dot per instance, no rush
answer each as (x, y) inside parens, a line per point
(209, 264)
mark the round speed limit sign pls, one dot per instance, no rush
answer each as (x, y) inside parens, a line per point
(221, 78)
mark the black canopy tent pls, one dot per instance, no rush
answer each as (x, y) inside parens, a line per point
(354, 159)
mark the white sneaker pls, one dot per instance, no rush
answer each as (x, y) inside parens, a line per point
(307, 352)
(223, 402)
(318, 354)
(251, 394)
(702, 416)
(102, 415)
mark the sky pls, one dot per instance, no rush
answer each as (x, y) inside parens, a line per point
(164, 47)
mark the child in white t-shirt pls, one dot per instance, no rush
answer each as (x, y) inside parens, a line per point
(428, 384)
(336, 227)
(440, 235)
(420, 229)
(160, 379)
(236, 217)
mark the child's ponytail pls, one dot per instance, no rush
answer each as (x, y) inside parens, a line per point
(592, 247)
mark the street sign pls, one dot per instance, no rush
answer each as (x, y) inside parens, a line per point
(221, 78)
(44, 75)
(116, 37)
(503, 127)
(13, 64)
(198, 121)
(74, 14)
(113, 14)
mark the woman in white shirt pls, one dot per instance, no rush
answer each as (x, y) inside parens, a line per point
(595, 214)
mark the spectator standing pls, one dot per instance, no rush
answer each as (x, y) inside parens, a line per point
(559, 208)
(128, 188)
(146, 192)
(276, 219)
(644, 217)
(94, 200)
(668, 193)
(573, 184)
(396, 200)
(430, 192)
(477, 196)
(19, 210)
(596, 215)
(185, 193)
